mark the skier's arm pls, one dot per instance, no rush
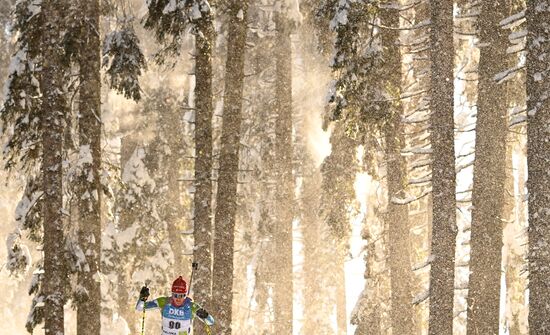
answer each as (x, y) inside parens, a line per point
(202, 314)
(153, 304)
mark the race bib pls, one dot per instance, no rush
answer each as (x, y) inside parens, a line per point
(176, 321)
(176, 327)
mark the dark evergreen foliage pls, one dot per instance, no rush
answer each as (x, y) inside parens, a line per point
(124, 62)
(36, 314)
(20, 112)
(170, 21)
(359, 94)
(338, 196)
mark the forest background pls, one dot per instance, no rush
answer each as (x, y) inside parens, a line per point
(334, 166)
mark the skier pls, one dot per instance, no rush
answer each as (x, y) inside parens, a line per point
(178, 311)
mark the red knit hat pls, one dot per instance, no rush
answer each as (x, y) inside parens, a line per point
(179, 286)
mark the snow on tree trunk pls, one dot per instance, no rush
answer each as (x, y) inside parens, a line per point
(444, 227)
(513, 253)
(54, 109)
(89, 185)
(515, 243)
(397, 217)
(538, 161)
(519, 308)
(202, 232)
(416, 108)
(284, 205)
(226, 199)
(489, 176)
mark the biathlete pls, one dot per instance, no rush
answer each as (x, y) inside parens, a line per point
(178, 310)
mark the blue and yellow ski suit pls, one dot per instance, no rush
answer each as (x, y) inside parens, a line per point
(175, 320)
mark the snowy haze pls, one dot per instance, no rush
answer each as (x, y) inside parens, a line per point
(133, 181)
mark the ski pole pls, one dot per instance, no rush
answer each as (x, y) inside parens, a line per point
(194, 266)
(143, 316)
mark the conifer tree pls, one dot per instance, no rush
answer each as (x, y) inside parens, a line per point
(203, 162)
(318, 247)
(263, 65)
(538, 160)
(397, 216)
(123, 62)
(366, 96)
(52, 118)
(489, 175)
(89, 186)
(338, 196)
(33, 117)
(443, 170)
(164, 159)
(170, 21)
(283, 306)
(148, 204)
(226, 198)
(6, 47)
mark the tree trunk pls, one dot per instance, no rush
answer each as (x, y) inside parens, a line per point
(264, 63)
(164, 161)
(202, 231)
(398, 234)
(520, 310)
(127, 218)
(54, 109)
(512, 259)
(89, 185)
(224, 230)
(401, 312)
(317, 253)
(264, 273)
(372, 320)
(489, 175)
(283, 288)
(444, 228)
(538, 162)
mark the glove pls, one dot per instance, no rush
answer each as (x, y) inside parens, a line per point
(144, 293)
(201, 313)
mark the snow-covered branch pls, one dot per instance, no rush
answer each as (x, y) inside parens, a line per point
(408, 200)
